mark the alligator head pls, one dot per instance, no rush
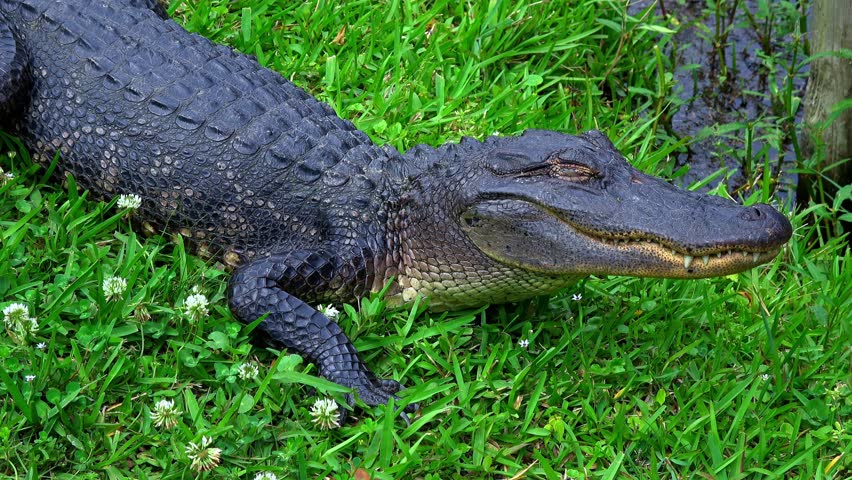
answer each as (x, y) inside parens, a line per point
(543, 209)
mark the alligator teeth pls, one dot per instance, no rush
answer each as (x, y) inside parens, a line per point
(687, 259)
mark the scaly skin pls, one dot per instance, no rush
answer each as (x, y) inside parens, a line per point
(251, 169)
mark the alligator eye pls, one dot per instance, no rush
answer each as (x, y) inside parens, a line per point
(573, 172)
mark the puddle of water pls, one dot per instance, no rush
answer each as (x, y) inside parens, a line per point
(728, 89)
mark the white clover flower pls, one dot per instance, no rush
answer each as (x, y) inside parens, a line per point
(141, 313)
(324, 413)
(29, 378)
(329, 311)
(114, 287)
(131, 201)
(265, 476)
(248, 370)
(840, 391)
(523, 343)
(18, 321)
(15, 313)
(165, 414)
(6, 177)
(577, 297)
(203, 456)
(196, 306)
(12, 155)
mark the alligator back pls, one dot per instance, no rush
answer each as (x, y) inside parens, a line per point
(228, 153)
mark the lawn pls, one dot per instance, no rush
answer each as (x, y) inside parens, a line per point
(745, 376)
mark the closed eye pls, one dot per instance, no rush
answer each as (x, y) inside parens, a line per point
(512, 164)
(574, 172)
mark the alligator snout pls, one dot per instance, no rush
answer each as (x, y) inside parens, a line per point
(773, 224)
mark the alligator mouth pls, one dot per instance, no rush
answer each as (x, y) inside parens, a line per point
(673, 260)
(534, 237)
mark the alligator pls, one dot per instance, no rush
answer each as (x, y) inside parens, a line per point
(253, 171)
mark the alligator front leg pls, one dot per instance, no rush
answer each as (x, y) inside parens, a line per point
(260, 288)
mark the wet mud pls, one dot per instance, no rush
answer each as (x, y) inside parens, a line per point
(728, 62)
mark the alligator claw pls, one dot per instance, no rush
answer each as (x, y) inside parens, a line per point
(390, 385)
(376, 392)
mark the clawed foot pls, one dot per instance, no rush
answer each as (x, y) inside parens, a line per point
(378, 391)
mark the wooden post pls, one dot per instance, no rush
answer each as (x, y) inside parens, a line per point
(829, 84)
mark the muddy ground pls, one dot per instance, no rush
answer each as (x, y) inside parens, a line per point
(729, 61)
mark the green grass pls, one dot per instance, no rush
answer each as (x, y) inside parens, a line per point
(745, 376)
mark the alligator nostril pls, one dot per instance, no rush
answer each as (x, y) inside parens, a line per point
(753, 214)
(767, 219)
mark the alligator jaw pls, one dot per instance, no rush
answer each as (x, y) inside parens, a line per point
(670, 263)
(535, 238)
(652, 256)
